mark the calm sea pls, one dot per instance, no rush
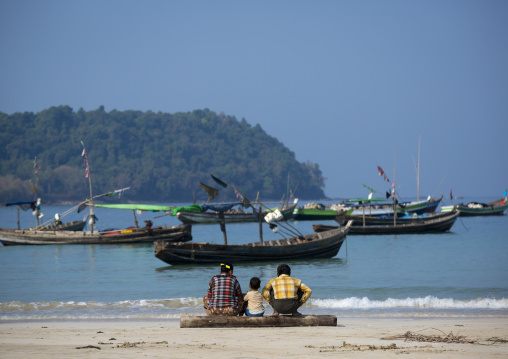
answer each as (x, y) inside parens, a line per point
(460, 273)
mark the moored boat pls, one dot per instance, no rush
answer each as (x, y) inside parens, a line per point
(10, 237)
(315, 211)
(439, 224)
(356, 207)
(420, 207)
(386, 220)
(494, 208)
(373, 207)
(208, 214)
(315, 245)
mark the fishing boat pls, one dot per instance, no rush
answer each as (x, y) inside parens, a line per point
(493, 208)
(135, 234)
(52, 225)
(208, 214)
(315, 211)
(387, 220)
(420, 207)
(356, 207)
(53, 233)
(423, 225)
(373, 207)
(148, 234)
(314, 245)
(293, 245)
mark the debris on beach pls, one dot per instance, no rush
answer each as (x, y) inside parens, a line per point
(89, 347)
(495, 340)
(450, 338)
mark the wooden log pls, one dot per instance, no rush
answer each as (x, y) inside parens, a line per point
(265, 321)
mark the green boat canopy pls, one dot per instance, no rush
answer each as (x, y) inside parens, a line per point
(137, 207)
(366, 200)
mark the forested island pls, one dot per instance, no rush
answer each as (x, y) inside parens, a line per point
(162, 157)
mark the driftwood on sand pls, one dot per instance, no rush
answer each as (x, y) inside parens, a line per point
(266, 321)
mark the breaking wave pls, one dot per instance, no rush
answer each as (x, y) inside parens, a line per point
(174, 308)
(428, 302)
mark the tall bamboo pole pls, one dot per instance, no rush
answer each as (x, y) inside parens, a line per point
(393, 191)
(418, 172)
(90, 206)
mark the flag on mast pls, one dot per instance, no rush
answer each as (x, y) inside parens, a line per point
(212, 192)
(85, 161)
(382, 173)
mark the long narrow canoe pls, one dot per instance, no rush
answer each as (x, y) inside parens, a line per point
(440, 224)
(420, 207)
(181, 233)
(359, 221)
(314, 245)
(494, 208)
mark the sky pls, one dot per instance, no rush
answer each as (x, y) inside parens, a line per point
(349, 85)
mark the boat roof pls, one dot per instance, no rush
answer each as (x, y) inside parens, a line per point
(134, 206)
(365, 200)
(19, 203)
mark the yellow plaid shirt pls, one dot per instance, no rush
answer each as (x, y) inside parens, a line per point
(286, 287)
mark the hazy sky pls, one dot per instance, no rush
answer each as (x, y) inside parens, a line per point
(346, 84)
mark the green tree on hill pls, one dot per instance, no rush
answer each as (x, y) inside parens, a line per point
(162, 157)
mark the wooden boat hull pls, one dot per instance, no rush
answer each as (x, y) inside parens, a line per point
(69, 226)
(375, 212)
(190, 217)
(428, 206)
(359, 221)
(317, 245)
(468, 212)
(440, 224)
(10, 237)
(494, 208)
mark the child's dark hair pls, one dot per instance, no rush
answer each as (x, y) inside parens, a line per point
(255, 283)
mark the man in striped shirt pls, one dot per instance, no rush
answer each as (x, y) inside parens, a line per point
(284, 293)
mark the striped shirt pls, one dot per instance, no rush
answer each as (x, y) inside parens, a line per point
(286, 287)
(224, 291)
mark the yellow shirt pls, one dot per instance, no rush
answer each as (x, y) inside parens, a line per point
(286, 287)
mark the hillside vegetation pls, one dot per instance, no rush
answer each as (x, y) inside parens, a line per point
(162, 157)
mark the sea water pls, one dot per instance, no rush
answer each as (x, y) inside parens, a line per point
(463, 272)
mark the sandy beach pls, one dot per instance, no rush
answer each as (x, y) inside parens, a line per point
(351, 338)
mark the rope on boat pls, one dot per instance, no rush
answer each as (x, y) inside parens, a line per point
(461, 221)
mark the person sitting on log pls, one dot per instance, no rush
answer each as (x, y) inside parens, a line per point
(224, 295)
(253, 300)
(284, 293)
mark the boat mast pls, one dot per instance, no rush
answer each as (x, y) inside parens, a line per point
(90, 206)
(35, 186)
(393, 191)
(418, 172)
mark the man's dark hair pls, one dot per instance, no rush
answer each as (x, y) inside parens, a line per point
(225, 267)
(283, 269)
(255, 283)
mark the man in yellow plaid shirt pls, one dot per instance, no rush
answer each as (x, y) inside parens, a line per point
(284, 293)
